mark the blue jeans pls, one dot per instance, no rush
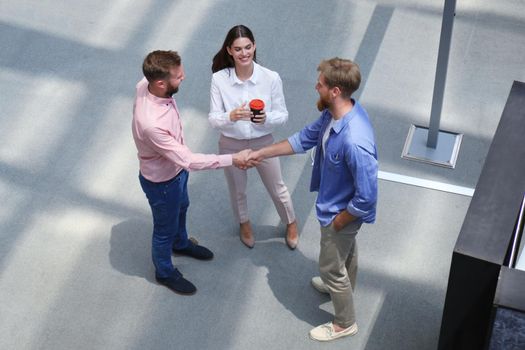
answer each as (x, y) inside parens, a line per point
(169, 203)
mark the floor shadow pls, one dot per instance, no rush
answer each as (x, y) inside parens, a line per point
(289, 275)
(130, 248)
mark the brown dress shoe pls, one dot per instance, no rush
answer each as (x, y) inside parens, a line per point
(246, 234)
(292, 236)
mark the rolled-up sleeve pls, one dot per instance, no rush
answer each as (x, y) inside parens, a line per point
(364, 167)
(295, 142)
(307, 138)
(181, 155)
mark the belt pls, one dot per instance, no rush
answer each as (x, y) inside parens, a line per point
(167, 181)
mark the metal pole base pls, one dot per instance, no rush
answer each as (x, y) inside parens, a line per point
(445, 154)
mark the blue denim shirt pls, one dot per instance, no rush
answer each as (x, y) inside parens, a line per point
(346, 176)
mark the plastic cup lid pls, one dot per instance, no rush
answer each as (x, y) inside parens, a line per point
(257, 104)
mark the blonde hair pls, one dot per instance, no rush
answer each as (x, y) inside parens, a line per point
(342, 73)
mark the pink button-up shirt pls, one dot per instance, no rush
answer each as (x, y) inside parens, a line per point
(157, 131)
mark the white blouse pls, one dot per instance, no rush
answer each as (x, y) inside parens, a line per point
(229, 92)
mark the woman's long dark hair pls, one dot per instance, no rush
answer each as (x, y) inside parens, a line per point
(222, 59)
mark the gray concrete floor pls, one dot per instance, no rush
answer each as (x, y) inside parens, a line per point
(75, 227)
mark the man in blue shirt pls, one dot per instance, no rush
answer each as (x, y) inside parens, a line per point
(345, 176)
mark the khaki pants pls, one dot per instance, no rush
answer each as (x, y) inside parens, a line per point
(338, 269)
(270, 172)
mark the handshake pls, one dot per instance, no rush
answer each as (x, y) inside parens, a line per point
(247, 158)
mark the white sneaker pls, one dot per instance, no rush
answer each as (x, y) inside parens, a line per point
(326, 332)
(318, 284)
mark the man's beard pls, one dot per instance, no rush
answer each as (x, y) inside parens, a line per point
(171, 91)
(322, 104)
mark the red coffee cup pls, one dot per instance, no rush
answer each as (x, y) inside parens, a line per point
(256, 106)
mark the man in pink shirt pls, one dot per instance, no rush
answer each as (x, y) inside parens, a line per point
(164, 164)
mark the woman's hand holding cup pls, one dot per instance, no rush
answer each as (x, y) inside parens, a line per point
(240, 113)
(257, 109)
(259, 118)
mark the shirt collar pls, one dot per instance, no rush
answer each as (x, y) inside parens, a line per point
(158, 100)
(253, 79)
(341, 123)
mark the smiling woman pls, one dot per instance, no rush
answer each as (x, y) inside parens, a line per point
(236, 81)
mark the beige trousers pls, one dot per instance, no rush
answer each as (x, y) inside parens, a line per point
(270, 172)
(338, 269)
